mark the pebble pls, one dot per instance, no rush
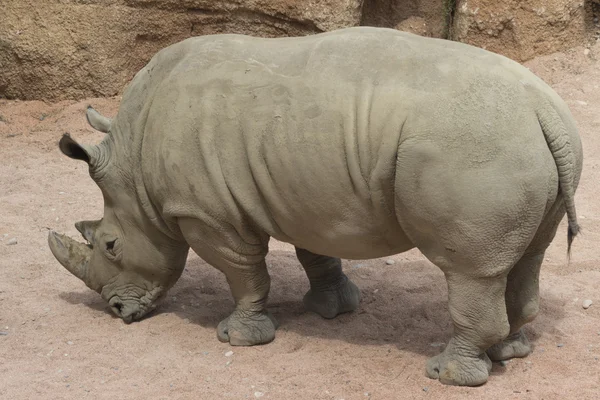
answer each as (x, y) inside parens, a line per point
(11, 242)
(582, 103)
(560, 345)
(586, 52)
(390, 262)
(375, 291)
(70, 343)
(3, 333)
(229, 354)
(503, 363)
(258, 395)
(425, 389)
(587, 303)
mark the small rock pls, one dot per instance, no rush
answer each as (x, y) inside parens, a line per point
(425, 389)
(3, 333)
(390, 262)
(586, 52)
(375, 291)
(11, 242)
(70, 343)
(582, 103)
(229, 354)
(61, 192)
(258, 395)
(503, 363)
(587, 303)
(228, 363)
(560, 345)
(437, 344)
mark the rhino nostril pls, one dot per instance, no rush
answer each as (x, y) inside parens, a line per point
(118, 306)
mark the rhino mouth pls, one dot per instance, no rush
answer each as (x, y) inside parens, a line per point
(133, 308)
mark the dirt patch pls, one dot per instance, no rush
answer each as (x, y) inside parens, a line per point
(59, 340)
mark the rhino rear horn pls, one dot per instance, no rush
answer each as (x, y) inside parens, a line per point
(88, 229)
(98, 121)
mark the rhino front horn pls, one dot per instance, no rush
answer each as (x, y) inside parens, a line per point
(72, 255)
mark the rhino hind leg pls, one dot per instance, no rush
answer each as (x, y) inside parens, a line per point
(522, 305)
(477, 308)
(522, 289)
(331, 292)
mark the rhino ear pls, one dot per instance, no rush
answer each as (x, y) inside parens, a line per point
(72, 149)
(97, 120)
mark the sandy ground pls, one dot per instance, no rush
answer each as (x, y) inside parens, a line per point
(58, 339)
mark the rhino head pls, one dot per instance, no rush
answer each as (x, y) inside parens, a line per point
(128, 259)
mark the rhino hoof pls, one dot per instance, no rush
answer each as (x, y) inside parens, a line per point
(452, 368)
(244, 328)
(514, 346)
(331, 302)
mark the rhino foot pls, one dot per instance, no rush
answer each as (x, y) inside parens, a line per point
(243, 328)
(515, 345)
(452, 368)
(331, 302)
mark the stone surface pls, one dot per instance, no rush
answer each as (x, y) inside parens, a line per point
(71, 49)
(423, 17)
(520, 29)
(60, 49)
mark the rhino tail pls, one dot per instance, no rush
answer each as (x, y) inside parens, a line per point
(97, 121)
(559, 143)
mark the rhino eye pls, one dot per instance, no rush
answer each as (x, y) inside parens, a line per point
(111, 245)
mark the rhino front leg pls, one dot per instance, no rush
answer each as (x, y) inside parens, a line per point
(244, 267)
(331, 292)
(250, 323)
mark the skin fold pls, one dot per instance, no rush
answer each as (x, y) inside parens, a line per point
(358, 143)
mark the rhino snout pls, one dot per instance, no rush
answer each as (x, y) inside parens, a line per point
(128, 311)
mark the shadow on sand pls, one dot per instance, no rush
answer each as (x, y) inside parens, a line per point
(404, 304)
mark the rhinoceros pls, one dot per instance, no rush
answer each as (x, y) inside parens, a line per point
(358, 143)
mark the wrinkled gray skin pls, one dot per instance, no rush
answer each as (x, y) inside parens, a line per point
(359, 143)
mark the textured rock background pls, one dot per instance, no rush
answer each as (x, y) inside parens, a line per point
(522, 29)
(61, 49)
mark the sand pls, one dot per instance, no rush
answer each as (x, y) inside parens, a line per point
(59, 340)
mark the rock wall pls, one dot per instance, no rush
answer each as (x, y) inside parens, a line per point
(520, 29)
(60, 49)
